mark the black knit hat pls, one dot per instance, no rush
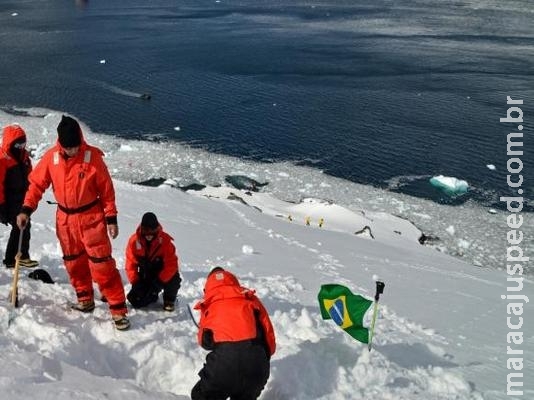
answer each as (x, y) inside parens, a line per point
(69, 132)
(149, 221)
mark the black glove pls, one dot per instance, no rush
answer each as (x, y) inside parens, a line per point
(3, 214)
(141, 295)
(158, 285)
(143, 268)
(207, 341)
(149, 269)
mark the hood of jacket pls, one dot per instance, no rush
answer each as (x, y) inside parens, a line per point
(221, 284)
(11, 134)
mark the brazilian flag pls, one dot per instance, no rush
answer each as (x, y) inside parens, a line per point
(347, 310)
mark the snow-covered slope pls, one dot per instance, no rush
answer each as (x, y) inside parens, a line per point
(441, 332)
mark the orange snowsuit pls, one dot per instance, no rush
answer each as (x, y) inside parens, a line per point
(85, 196)
(138, 249)
(229, 311)
(235, 325)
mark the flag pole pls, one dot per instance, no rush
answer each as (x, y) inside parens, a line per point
(379, 290)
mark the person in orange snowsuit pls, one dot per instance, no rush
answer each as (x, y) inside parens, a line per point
(15, 166)
(86, 214)
(152, 265)
(237, 329)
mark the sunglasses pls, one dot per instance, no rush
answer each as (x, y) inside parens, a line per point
(19, 145)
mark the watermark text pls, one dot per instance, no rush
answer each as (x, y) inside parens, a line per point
(515, 258)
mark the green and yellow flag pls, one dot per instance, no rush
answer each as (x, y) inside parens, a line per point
(346, 309)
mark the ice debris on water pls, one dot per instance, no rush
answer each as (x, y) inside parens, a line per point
(450, 185)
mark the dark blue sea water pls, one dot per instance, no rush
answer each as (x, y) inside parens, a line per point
(386, 93)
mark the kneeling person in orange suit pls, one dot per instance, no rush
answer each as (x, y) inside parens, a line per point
(235, 326)
(152, 265)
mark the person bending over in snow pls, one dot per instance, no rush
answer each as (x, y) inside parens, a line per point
(152, 265)
(235, 326)
(86, 214)
(15, 166)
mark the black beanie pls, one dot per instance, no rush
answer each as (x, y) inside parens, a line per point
(69, 132)
(149, 221)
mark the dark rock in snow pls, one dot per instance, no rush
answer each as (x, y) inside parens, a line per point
(244, 182)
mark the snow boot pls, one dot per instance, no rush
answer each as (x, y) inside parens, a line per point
(28, 263)
(168, 305)
(121, 321)
(84, 306)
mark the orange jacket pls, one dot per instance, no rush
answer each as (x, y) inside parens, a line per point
(77, 181)
(161, 247)
(231, 312)
(13, 184)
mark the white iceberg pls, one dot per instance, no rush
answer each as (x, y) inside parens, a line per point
(450, 185)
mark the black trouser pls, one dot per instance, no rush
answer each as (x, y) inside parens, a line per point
(13, 242)
(238, 370)
(145, 292)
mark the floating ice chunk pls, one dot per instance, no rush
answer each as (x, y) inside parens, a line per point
(177, 128)
(491, 166)
(246, 249)
(102, 61)
(450, 230)
(14, 14)
(450, 185)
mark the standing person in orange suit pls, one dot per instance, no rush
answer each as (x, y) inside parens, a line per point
(86, 214)
(152, 265)
(237, 329)
(15, 166)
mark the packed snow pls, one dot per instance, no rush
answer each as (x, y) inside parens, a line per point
(441, 332)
